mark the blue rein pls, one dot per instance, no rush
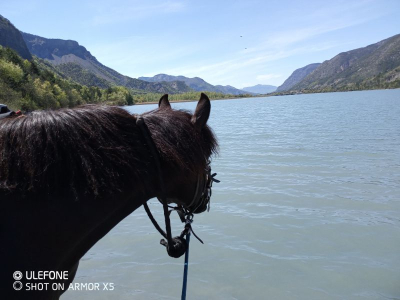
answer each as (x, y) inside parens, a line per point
(186, 266)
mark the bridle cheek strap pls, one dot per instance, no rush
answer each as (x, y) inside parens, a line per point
(177, 246)
(196, 195)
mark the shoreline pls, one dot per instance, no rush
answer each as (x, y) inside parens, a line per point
(177, 101)
(156, 102)
(267, 95)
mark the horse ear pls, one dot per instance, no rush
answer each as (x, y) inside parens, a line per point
(164, 103)
(202, 112)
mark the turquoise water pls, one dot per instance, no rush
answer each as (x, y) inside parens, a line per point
(308, 208)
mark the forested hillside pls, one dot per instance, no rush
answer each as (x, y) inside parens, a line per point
(30, 85)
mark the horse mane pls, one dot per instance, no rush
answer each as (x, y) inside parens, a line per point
(93, 151)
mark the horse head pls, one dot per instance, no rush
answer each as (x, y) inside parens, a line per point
(185, 144)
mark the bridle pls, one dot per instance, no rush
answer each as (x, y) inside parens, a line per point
(177, 246)
(203, 192)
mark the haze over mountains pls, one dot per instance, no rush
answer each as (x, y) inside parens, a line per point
(260, 89)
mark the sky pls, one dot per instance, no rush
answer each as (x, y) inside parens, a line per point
(238, 43)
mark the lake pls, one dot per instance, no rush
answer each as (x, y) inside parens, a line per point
(308, 208)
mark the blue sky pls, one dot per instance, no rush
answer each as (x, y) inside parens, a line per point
(208, 39)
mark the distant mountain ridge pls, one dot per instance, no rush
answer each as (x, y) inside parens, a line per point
(228, 89)
(76, 62)
(260, 89)
(12, 38)
(195, 83)
(297, 76)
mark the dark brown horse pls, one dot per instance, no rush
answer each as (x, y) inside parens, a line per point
(67, 177)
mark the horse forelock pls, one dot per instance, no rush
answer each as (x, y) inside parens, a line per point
(178, 141)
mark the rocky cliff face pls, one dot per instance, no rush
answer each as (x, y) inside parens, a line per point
(64, 52)
(12, 38)
(48, 48)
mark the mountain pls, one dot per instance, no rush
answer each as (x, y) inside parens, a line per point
(12, 38)
(297, 76)
(77, 63)
(228, 89)
(196, 84)
(370, 67)
(260, 89)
